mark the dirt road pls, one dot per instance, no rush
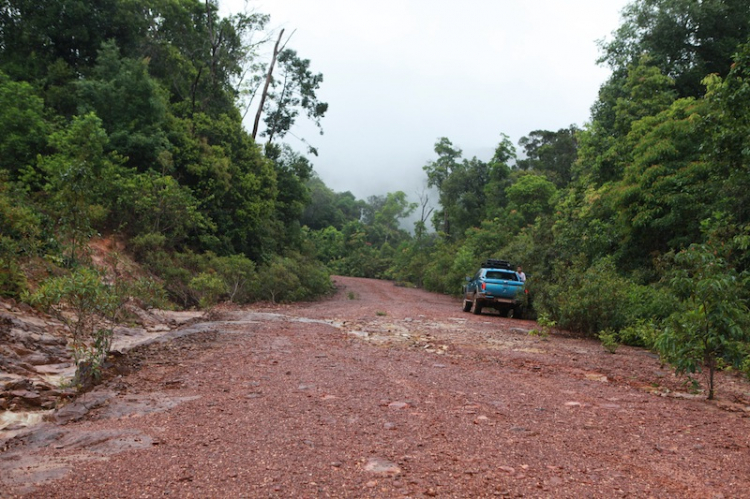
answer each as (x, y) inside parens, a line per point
(383, 391)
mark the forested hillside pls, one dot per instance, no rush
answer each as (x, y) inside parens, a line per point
(125, 119)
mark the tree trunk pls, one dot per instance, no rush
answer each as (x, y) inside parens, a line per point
(269, 75)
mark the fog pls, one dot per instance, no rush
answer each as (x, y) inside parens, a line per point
(401, 74)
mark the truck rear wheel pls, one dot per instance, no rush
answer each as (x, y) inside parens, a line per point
(467, 305)
(477, 306)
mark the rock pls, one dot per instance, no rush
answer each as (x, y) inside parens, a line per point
(381, 466)
(29, 397)
(128, 331)
(52, 340)
(69, 412)
(36, 359)
(21, 384)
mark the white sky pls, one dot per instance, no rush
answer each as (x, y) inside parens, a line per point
(400, 74)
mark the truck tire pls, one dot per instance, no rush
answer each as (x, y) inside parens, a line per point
(467, 305)
(477, 306)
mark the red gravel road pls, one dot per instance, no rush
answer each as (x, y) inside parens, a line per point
(383, 391)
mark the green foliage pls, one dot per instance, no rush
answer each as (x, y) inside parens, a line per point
(86, 306)
(238, 276)
(294, 90)
(77, 177)
(122, 118)
(12, 278)
(329, 209)
(713, 321)
(687, 40)
(157, 212)
(280, 280)
(461, 186)
(23, 131)
(131, 104)
(20, 237)
(446, 270)
(728, 132)
(667, 188)
(642, 333)
(547, 325)
(209, 287)
(609, 340)
(597, 298)
(551, 154)
(147, 290)
(530, 196)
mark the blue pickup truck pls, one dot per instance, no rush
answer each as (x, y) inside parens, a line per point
(495, 285)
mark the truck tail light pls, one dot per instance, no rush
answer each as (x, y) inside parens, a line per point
(484, 286)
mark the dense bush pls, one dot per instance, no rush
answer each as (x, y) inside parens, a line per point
(597, 298)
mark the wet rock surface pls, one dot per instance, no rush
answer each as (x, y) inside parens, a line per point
(36, 367)
(382, 391)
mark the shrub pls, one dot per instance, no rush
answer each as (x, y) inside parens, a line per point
(589, 301)
(85, 305)
(610, 340)
(209, 288)
(598, 298)
(238, 275)
(12, 278)
(279, 280)
(145, 245)
(293, 278)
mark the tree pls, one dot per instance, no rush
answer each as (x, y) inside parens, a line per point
(668, 187)
(438, 172)
(284, 97)
(77, 175)
(267, 85)
(23, 130)
(464, 186)
(294, 92)
(499, 177)
(150, 203)
(551, 154)
(714, 322)
(131, 104)
(728, 136)
(32, 38)
(94, 305)
(292, 173)
(425, 210)
(531, 196)
(687, 40)
(604, 151)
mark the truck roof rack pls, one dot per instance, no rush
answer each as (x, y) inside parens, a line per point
(492, 263)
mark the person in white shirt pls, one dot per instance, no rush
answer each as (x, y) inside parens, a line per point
(521, 275)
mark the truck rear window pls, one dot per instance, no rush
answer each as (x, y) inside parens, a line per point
(497, 274)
